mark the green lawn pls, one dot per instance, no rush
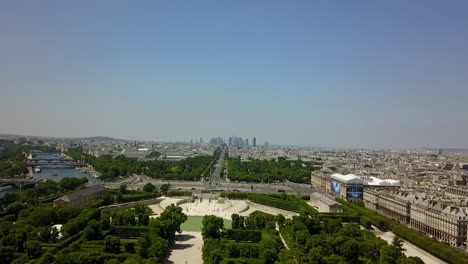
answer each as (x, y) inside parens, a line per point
(194, 224)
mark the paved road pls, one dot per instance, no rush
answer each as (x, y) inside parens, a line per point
(410, 249)
(137, 182)
(215, 177)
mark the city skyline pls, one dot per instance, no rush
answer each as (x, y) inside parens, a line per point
(319, 74)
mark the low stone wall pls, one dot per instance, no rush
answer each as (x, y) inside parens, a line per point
(132, 204)
(245, 208)
(186, 200)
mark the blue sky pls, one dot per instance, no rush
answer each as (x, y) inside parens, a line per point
(375, 74)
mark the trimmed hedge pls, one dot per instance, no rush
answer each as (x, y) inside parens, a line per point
(66, 242)
(240, 235)
(244, 250)
(348, 218)
(138, 197)
(242, 261)
(129, 231)
(77, 224)
(173, 193)
(376, 219)
(295, 204)
(437, 248)
(234, 196)
(55, 196)
(95, 257)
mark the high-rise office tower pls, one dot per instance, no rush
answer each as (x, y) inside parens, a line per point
(254, 142)
(246, 142)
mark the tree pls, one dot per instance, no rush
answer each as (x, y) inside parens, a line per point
(301, 236)
(351, 230)
(398, 244)
(91, 231)
(129, 247)
(158, 247)
(235, 221)
(212, 226)
(7, 199)
(7, 253)
(280, 219)
(108, 198)
(112, 261)
(67, 184)
(316, 256)
(46, 258)
(241, 222)
(104, 221)
(123, 188)
(269, 255)
(416, 260)
(164, 188)
(168, 223)
(366, 222)
(149, 187)
(331, 225)
(216, 257)
(350, 250)
(119, 197)
(283, 196)
(388, 255)
(143, 245)
(42, 216)
(33, 249)
(46, 234)
(123, 218)
(142, 212)
(112, 244)
(175, 213)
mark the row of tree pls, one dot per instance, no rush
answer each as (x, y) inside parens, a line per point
(270, 170)
(368, 218)
(12, 203)
(330, 241)
(12, 157)
(190, 168)
(88, 234)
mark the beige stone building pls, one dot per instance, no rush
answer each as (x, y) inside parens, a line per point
(456, 192)
(323, 203)
(437, 218)
(446, 223)
(371, 198)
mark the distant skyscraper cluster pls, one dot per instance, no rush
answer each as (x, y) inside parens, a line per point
(238, 142)
(233, 141)
(217, 141)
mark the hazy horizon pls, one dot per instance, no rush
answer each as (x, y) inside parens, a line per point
(357, 74)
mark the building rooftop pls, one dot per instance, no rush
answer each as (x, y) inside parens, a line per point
(81, 193)
(348, 179)
(379, 182)
(324, 198)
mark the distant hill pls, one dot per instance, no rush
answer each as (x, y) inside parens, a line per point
(96, 139)
(104, 139)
